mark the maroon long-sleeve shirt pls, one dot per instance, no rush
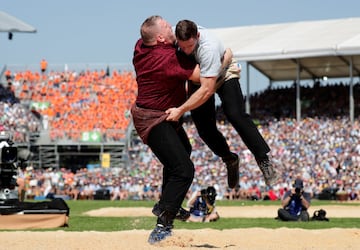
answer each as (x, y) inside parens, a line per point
(161, 73)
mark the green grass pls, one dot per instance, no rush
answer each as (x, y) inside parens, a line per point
(80, 222)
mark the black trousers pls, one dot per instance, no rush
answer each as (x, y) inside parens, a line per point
(284, 215)
(232, 100)
(170, 144)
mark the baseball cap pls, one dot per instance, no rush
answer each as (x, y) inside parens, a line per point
(298, 183)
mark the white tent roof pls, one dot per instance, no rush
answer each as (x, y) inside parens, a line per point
(322, 48)
(9, 23)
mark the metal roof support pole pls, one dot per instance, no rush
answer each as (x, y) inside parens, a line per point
(351, 94)
(298, 103)
(247, 101)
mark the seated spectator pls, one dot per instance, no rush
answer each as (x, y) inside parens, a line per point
(254, 193)
(202, 206)
(115, 191)
(270, 195)
(295, 204)
(353, 195)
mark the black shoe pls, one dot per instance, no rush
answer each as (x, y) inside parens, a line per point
(182, 214)
(156, 210)
(267, 168)
(232, 166)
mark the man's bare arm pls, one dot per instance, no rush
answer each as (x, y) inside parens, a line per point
(195, 77)
(201, 95)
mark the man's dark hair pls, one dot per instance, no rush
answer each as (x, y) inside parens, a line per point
(186, 29)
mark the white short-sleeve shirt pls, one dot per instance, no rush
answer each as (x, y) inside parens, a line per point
(209, 53)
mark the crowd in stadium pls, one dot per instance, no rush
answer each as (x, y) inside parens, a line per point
(317, 100)
(325, 152)
(15, 118)
(324, 148)
(71, 102)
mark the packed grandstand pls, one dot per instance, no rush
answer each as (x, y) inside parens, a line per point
(91, 107)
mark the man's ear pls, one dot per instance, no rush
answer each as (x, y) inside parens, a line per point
(160, 39)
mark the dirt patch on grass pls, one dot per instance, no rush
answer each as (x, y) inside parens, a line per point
(333, 211)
